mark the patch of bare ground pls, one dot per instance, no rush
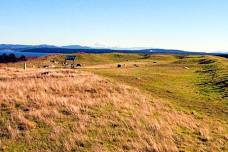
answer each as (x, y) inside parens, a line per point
(68, 110)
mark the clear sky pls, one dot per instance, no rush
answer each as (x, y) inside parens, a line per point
(200, 25)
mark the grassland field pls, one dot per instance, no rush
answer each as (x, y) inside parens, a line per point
(151, 103)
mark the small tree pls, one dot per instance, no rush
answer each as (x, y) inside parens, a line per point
(22, 58)
(12, 58)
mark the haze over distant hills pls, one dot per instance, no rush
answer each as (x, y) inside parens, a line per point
(19, 47)
(44, 48)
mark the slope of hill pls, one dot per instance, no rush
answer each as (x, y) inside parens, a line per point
(152, 103)
(68, 110)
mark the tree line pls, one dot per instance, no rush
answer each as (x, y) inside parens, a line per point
(10, 58)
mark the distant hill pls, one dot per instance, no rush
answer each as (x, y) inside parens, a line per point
(77, 48)
(225, 55)
(65, 50)
(17, 47)
(13, 46)
(91, 50)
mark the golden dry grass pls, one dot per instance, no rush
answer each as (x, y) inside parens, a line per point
(69, 110)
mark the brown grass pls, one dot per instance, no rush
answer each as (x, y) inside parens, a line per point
(69, 110)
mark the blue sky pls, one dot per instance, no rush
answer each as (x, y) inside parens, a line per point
(200, 25)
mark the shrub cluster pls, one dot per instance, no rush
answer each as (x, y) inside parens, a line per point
(7, 58)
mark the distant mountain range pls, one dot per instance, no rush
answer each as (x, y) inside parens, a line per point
(77, 48)
(18, 47)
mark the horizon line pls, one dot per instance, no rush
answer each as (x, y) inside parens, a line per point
(114, 47)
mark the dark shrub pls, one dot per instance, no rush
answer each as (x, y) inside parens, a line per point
(7, 58)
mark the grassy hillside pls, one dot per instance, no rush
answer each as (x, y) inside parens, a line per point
(83, 59)
(190, 81)
(153, 103)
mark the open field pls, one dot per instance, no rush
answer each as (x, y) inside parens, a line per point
(185, 82)
(152, 103)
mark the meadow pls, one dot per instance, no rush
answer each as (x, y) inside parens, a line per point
(151, 103)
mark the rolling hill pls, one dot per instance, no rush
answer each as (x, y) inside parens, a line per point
(151, 103)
